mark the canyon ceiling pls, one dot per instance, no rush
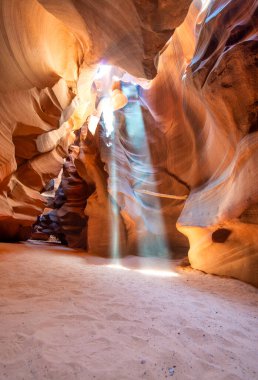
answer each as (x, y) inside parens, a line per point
(187, 177)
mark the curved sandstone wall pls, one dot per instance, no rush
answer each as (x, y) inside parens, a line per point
(199, 113)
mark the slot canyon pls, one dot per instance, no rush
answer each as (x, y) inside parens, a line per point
(129, 189)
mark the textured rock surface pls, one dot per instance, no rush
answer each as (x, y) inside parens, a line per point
(67, 220)
(224, 72)
(99, 209)
(49, 53)
(194, 134)
(137, 162)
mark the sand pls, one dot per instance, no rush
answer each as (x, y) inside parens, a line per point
(66, 315)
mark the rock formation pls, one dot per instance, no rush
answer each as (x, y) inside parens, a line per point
(180, 158)
(66, 219)
(49, 54)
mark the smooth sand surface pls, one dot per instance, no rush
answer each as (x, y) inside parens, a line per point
(65, 315)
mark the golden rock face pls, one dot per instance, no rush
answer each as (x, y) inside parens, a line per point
(199, 134)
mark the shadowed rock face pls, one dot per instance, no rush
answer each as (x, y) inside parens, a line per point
(66, 219)
(199, 113)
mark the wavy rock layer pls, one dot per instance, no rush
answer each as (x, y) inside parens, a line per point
(196, 137)
(49, 53)
(67, 220)
(220, 100)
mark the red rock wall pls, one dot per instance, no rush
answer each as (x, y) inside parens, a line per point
(200, 121)
(208, 87)
(49, 53)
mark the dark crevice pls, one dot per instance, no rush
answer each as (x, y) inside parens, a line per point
(180, 180)
(220, 235)
(238, 34)
(253, 118)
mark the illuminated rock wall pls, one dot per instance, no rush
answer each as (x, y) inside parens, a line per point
(200, 122)
(49, 51)
(220, 216)
(208, 86)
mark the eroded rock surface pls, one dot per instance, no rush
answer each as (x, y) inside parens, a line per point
(67, 220)
(194, 134)
(49, 53)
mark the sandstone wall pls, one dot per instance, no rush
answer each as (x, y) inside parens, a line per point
(199, 113)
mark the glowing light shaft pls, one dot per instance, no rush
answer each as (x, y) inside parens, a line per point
(142, 169)
(157, 273)
(103, 71)
(108, 116)
(115, 209)
(145, 271)
(93, 123)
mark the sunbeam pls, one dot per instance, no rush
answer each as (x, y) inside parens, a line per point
(151, 230)
(145, 271)
(124, 131)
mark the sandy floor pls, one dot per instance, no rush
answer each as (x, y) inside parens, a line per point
(64, 315)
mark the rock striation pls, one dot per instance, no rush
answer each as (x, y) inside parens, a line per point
(67, 220)
(177, 164)
(49, 54)
(216, 89)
